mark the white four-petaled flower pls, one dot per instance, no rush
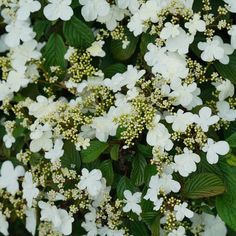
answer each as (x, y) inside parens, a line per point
(132, 202)
(213, 149)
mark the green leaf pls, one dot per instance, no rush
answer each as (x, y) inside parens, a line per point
(124, 184)
(113, 69)
(226, 203)
(107, 171)
(41, 27)
(203, 185)
(228, 71)
(95, 149)
(77, 33)
(115, 152)
(137, 228)
(124, 54)
(231, 159)
(149, 171)
(54, 51)
(138, 166)
(71, 158)
(145, 40)
(232, 140)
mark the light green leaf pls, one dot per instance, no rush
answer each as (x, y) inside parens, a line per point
(203, 185)
(115, 152)
(95, 149)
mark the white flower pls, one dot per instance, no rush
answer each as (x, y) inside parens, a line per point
(178, 232)
(16, 80)
(93, 8)
(8, 139)
(41, 138)
(153, 188)
(9, 177)
(196, 24)
(91, 181)
(65, 227)
(213, 226)
(4, 90)
(132, 202)
(215, 49)
(3, 46)
(95, 49)
(26, 7)
(232, 32)
(226, 89)
(111, 19)
(104, 127)
(58, 9)
(185, 163)
(132, 75)
(213, 149)
(61, 220)
(3, 224)
(29, 189)
(180, 120)
(179, 43)
(18, 31)
(24, 53)
(170, 31)
(42, 107)
(56, 152)
(69, 53)
(132, 5)
(225, 112)
(169, 185)
(159, 136)
(31, 220)
(205, 118)
(90, 225)
(49, 213)
(231, 5)
(183, 94)
(182, 211)
(170, 65)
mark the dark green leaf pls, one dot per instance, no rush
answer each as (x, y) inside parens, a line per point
(203, 185)
(54, 51)
(41, 27)
(77, 33)
(226, 203)
(107, 171)
(138, 166)
(120, 53)
(71, 158)
(232, 140)
(113, 69)
(228, 71)
(137, 228)
(95, 149)
(149, 171)
(124, 184)
(145, 40)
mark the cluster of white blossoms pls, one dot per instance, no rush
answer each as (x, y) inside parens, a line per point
(114, 116)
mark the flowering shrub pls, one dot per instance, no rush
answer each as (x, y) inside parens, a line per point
(118, 117)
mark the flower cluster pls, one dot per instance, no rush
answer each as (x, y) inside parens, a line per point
(118, 117)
